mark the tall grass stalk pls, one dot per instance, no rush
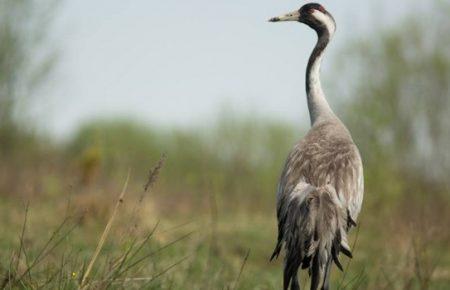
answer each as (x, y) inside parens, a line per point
(105, 233)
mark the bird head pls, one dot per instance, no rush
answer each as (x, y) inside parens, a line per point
(312, 14)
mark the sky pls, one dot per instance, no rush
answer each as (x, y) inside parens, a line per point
(179, 63)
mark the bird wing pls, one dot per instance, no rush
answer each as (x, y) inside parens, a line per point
(326, 156)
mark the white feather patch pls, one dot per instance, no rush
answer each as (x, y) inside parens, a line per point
(325, 19)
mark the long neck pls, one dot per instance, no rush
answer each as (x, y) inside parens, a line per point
(319, 109)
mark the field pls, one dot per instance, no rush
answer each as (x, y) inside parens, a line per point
(206, 220)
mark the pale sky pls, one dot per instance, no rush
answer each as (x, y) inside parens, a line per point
(176, 63)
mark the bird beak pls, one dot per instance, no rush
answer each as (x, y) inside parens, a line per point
(293, 16)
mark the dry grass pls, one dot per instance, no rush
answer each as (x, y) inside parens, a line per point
(104, 236)
(193, 229)
(52, 271)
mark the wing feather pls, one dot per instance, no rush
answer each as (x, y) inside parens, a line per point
(326, 156)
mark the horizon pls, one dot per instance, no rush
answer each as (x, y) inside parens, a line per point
(174, 65)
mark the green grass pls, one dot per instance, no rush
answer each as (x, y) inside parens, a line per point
(209, 215)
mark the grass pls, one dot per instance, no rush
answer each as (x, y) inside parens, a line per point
(202, 218)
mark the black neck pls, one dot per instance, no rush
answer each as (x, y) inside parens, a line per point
(322, 43)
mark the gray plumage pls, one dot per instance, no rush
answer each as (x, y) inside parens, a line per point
(321, 186)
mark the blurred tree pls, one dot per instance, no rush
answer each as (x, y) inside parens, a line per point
(399, 97)
(25, 60)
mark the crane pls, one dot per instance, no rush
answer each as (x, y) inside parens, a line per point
(321, 188)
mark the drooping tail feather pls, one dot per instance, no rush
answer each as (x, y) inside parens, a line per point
(315, 232)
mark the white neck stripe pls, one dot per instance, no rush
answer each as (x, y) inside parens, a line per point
(325, 19)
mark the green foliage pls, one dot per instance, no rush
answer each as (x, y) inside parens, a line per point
(399, 109)
(25, 63)
(236, 158)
